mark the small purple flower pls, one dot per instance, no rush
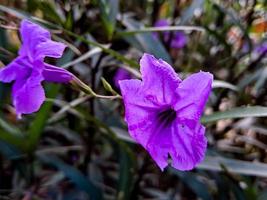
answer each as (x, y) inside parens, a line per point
(121, 74)
(28, 70)
(261, 48)
(163, 113)
(179, 39)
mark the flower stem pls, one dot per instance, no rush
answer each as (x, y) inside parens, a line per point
(81, 86)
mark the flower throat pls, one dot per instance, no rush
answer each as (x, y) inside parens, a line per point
(166, 117)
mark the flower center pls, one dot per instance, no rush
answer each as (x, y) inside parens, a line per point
(166, 117)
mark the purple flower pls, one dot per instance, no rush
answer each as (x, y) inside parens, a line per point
(163, 113)
(179, 39)
(28, 70)
(121, 74)
(261, 48)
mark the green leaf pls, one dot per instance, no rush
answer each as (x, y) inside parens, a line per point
(189, 12)
(74, 175)
(146, 40)
(192, 182)
(109, 51)
(50, 11)
(108, 11)
(126, 175)
(239, 112)
(10, 128)
(9, 151)
(216, 163)
(160, 29)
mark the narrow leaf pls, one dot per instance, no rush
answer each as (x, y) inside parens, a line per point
(239, 112)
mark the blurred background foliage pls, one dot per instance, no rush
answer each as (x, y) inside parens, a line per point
(78, 148)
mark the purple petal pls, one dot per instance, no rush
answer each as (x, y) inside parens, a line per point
(188, 146)
(161, 23)
(121, 74)
(9, 73)
(193, 94)
(261, 48)
(138, 108)
(140, 115)
(28, 94)
(20, 67)
(179, 40)
(159, 143)
(160, 80)
(49, 49)
(55, 74)
(37, 43)
(32, 35)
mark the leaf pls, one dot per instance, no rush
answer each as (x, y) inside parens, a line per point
(10, 128)
(189, 12)
(74, 175)
(122, 134)
(160, 29)
(126, 174)
(108, 11)
(216, 163)
(192, 182)
(146, 40)
(83, 57)
(15, 155)
(223, 84)
(239, 112)
(9, 151)
(50, 11)
(17, 141)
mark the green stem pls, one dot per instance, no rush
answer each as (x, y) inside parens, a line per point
(81, 86)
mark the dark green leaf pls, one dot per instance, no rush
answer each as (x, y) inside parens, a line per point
(109, 10)
(74, 175)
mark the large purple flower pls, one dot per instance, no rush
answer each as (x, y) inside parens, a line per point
(178, 39)
(163, 113)
(28, 70)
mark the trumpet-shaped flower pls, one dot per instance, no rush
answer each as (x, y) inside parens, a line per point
(28, 70)
(163, 113)
(178, 39)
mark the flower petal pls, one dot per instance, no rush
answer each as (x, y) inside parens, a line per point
(28, 94)
(179, 40)
(159, 78)
(32, 35)
(138, 109)
(189, 146)
(159, 143)
(55, 74)
(18, 68)
(121, 74)
(49, 48)
(193, 94)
